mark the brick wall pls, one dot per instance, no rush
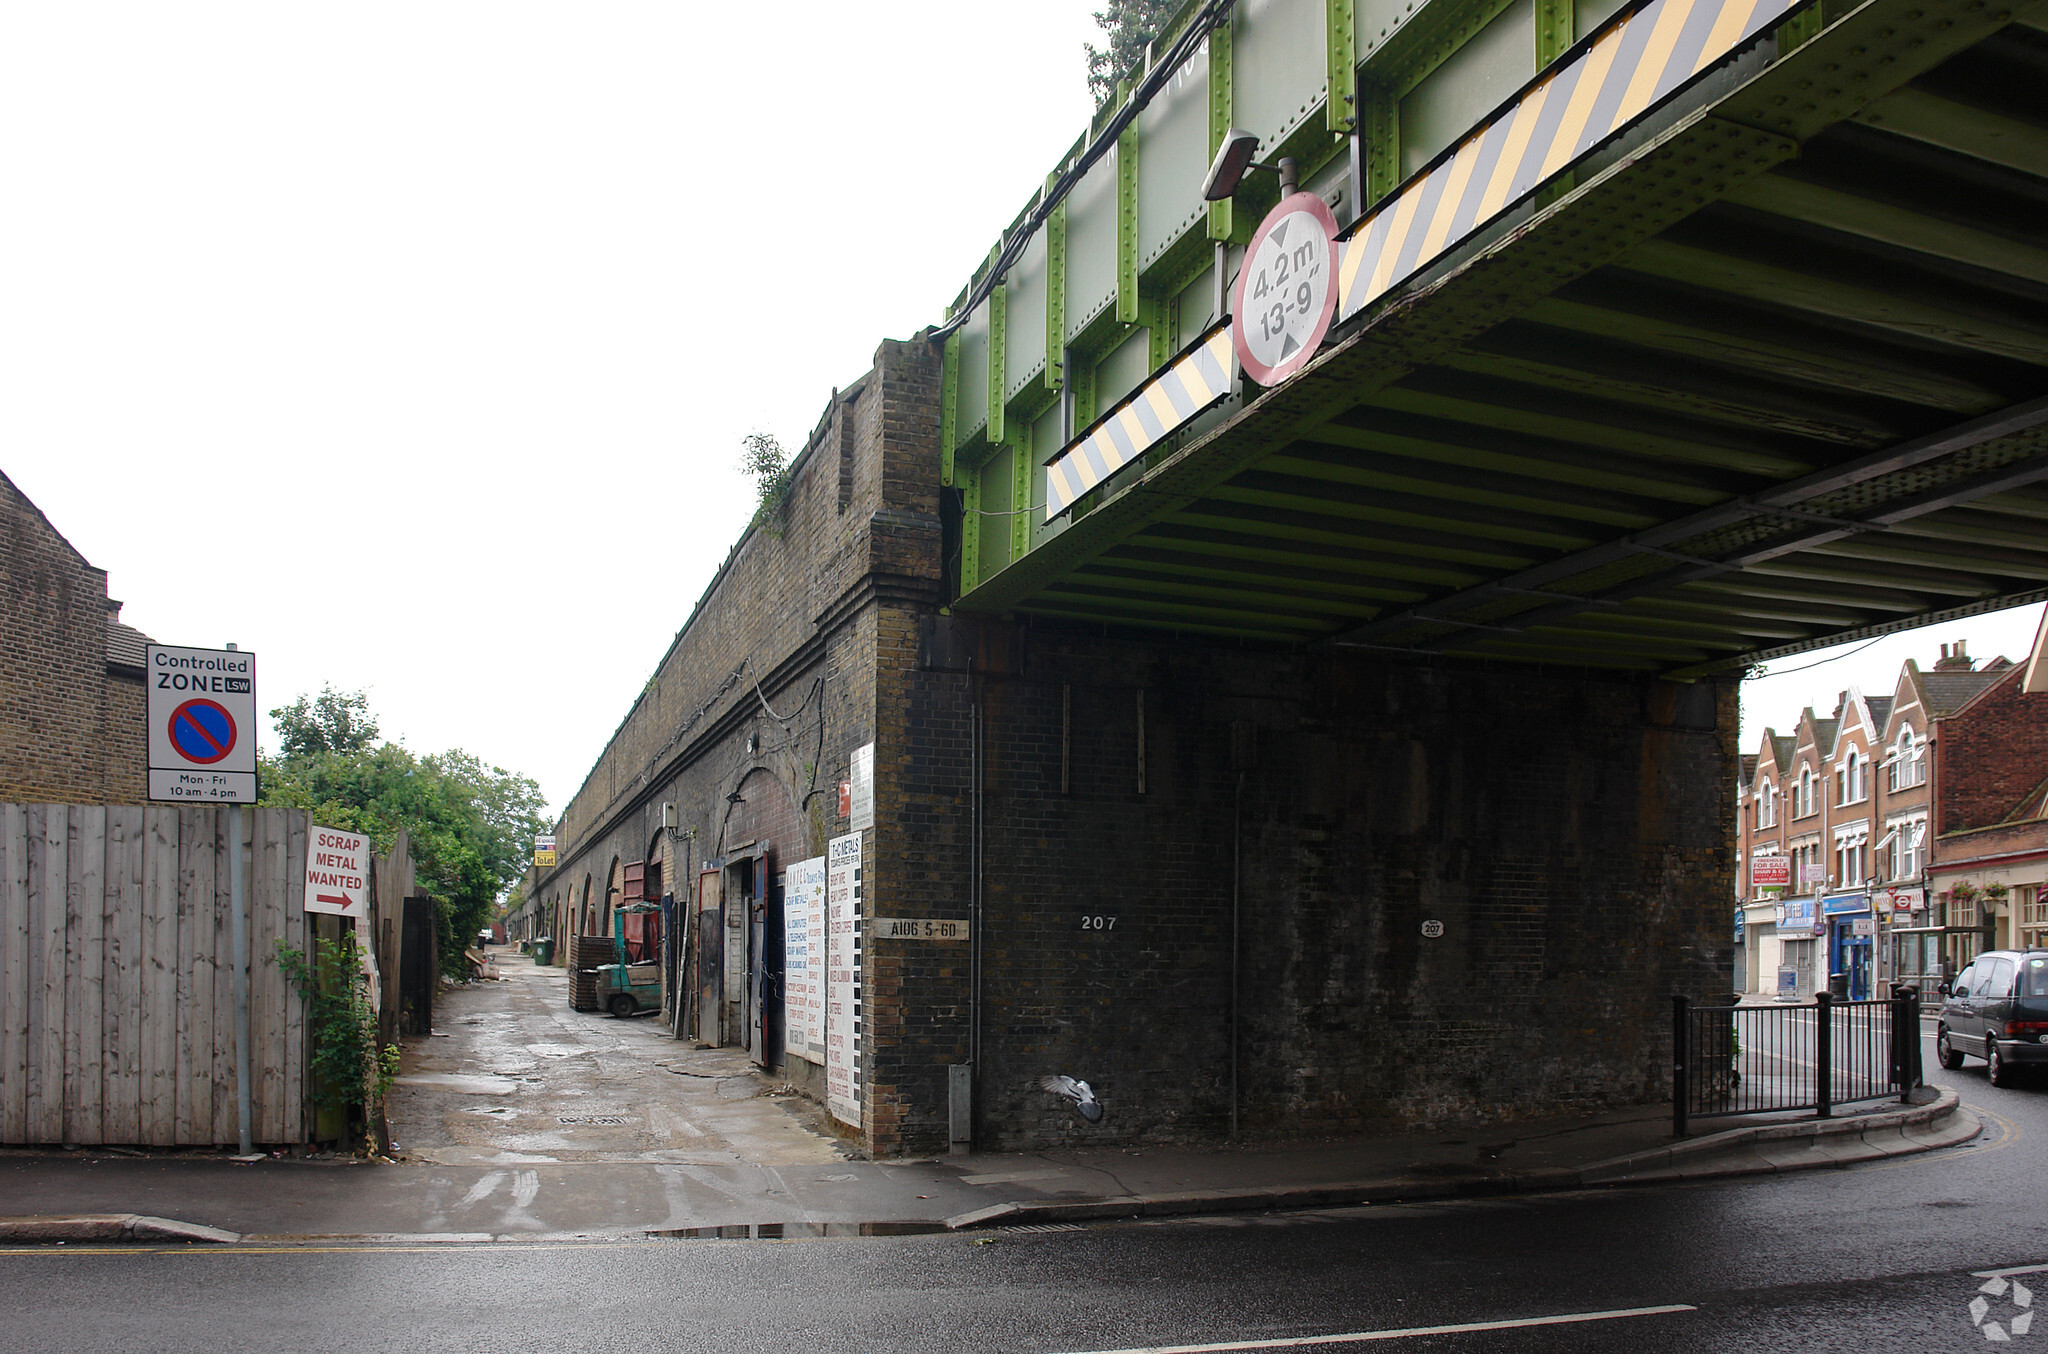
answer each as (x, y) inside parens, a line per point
(55, 743)
(1989, 755)
(1571, 833)
(127, 737)
(780, 650)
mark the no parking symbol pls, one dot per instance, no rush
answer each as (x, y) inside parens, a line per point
(203, 731)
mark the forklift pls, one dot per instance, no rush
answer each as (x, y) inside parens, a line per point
(633, 984)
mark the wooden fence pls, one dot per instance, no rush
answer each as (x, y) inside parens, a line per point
(116, 1015)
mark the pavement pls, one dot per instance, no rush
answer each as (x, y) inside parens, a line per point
(521, 1120)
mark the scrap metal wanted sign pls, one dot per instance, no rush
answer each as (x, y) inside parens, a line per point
(337, 872)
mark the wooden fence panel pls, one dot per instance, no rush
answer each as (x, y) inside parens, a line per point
(14, 1003)
(226, 1116)
(121, 985)
(46, 861)
(198, 852)
(116, 992)
(84, 959)
(299, 935)
(266, 996)
(159, 974)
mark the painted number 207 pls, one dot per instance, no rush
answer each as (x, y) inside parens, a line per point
(1098, 923)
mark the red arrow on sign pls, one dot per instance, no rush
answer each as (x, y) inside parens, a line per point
(332, 898)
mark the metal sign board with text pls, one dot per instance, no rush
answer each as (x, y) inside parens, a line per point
(861, 799)
(337, 872)
(1771, 872)
(201, 715)
(1286, 294)
(803, 957)
(916, 928)
(842, 976)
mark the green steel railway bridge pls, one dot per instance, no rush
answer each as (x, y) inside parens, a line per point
(1663, 337)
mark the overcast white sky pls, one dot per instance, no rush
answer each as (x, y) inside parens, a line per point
(410, 345)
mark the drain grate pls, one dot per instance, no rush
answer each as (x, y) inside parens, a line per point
(1042, 1227)
(602, 1120)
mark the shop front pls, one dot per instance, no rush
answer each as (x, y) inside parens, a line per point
(1851, 933)
(1796, 946)
(1912, 939)
(1756, 947)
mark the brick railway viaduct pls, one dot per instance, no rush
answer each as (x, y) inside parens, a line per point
(1357, 749)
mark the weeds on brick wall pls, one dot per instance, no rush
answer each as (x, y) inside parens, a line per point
(349, 1069)
(763, 460)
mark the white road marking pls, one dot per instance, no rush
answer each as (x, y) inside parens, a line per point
(525, 1187)
(481, 1190)
(1361, 1337)
(2008, 1273)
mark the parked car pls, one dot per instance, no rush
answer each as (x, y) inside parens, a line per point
(1997, 1010)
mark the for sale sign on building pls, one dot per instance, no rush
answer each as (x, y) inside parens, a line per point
(337, 872)
(1771, 872)
(202, 725)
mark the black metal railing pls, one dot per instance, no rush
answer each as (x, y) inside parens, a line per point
(1757, 1059)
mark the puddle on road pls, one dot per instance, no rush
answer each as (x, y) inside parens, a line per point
(788, 1231)
(456, 1081)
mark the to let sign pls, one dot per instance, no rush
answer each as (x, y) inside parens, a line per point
(337, 872)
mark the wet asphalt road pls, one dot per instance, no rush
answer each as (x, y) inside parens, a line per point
(1874, 1258)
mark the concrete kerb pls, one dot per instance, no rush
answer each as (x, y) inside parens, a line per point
(48, 1229)
(1890, 1133)
(1748, 1150)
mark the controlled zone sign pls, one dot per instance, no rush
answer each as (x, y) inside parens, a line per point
(202, 725)
(337, 872)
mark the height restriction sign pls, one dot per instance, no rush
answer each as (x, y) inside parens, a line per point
(1286, 291)
(202, 725)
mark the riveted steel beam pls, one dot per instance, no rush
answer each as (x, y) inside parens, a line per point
(1023, 468)
(970, 531)
(1690, 164)
(1056, 293)
(1127, 218)
(1340, 42)
(949, 406)
(998, 336)
(1220, 56)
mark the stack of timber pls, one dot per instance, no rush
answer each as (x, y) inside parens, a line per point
(586, 954)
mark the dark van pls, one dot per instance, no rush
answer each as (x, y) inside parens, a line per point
(1997, 1010)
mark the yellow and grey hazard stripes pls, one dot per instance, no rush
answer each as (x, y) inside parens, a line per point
(1626, 71)
(1200, 377)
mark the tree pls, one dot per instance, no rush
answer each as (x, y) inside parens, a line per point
(1130, 24)
(333, 721)
(471, 824)
(763, 460)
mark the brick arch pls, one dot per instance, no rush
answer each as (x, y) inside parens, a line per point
(658, 880)
(767, 814)
(614, 889)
